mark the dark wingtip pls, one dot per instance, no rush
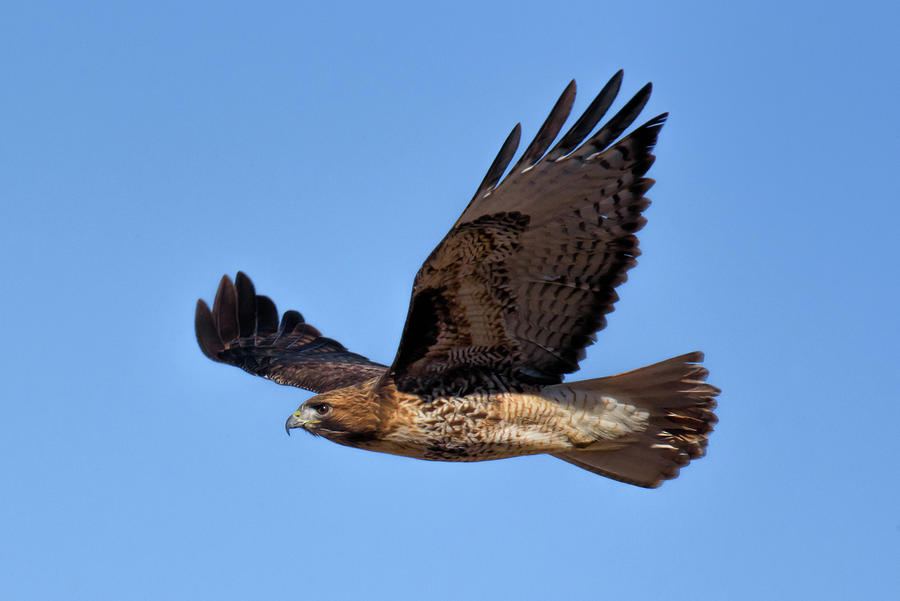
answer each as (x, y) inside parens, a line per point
(225, 310)
(205, 329)
(501, 162)
(242, 281)
(615, 82)
(549, 130)
(694, 357)
(221, 293)
(638, 101)
(246, 305)
(657, 121)
(289, 321)
(647, 135)
(266, 316)
(618, 123)
(225, 281)
(585, 124)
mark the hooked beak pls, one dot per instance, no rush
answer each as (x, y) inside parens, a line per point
(295, 421)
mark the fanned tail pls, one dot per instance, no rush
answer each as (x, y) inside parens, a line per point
(681, 408)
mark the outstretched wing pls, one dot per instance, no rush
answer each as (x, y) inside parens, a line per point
(518, 287)
(243, 330)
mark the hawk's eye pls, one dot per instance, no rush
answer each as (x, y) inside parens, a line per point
(323, 409)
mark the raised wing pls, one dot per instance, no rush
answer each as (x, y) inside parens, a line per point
(516, 290)
(243, 330)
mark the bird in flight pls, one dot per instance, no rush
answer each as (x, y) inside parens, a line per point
(501, 310)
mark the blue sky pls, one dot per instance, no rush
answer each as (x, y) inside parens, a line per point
(148, 149)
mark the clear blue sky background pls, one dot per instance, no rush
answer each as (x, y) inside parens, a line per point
(148, 149)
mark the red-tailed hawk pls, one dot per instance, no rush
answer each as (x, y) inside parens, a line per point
(501, 310)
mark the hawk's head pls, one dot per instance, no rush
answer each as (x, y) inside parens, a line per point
(341, 415)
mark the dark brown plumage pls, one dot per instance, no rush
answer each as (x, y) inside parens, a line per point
(243, 330)
(501, 310)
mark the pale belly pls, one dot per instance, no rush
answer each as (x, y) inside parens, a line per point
(478, 428)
